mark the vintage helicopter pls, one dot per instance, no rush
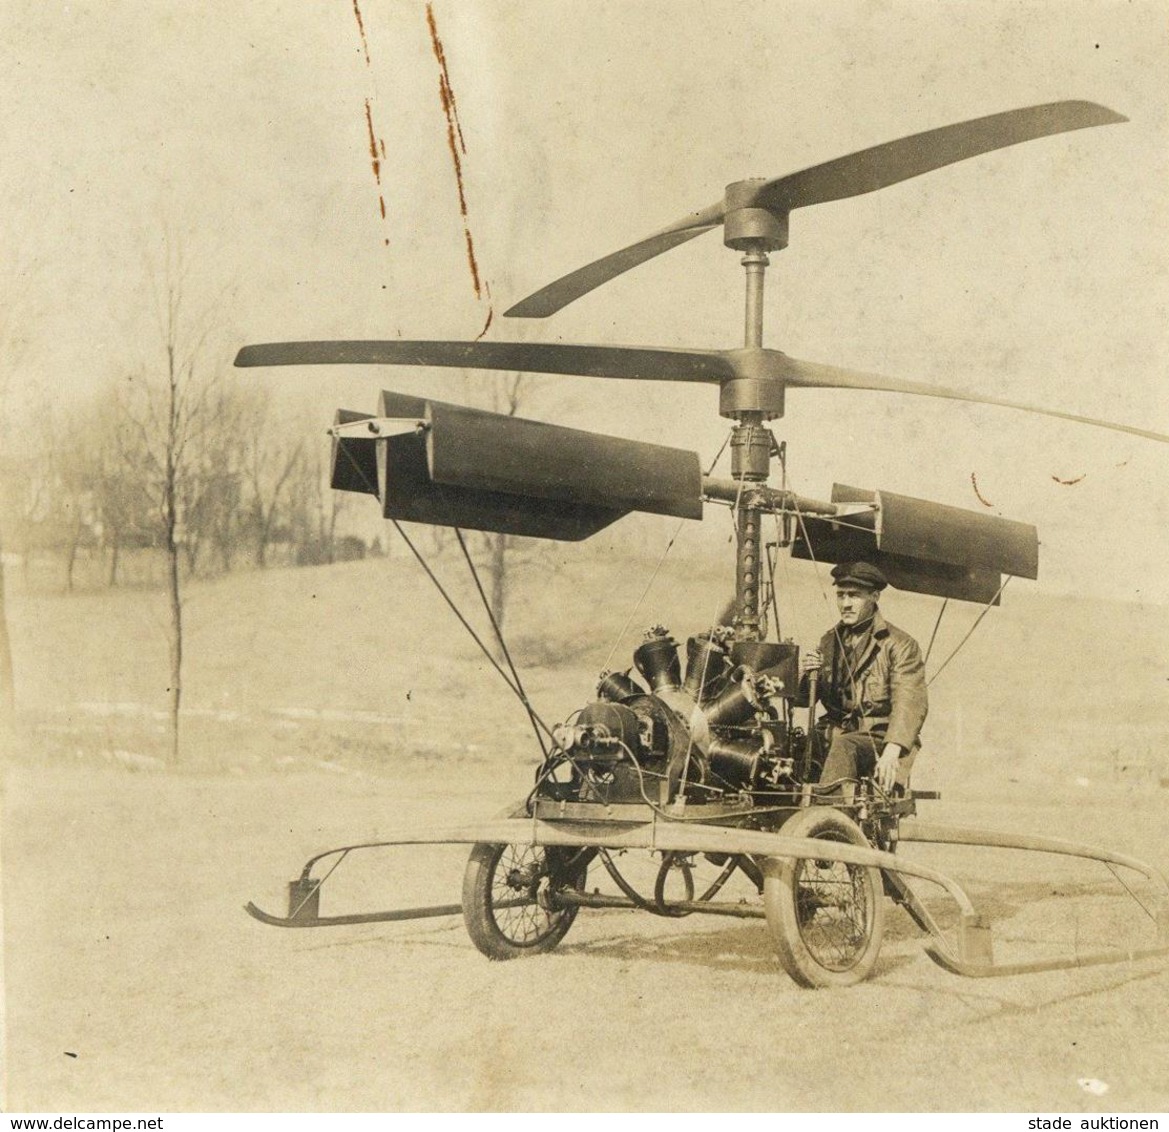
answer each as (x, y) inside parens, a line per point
(713, 761)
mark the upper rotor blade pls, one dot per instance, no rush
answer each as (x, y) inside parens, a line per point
(887, 164)
(635, 362)
(548, 300)
(853, 175)
(816, 376)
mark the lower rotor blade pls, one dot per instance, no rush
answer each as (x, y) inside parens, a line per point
(633, 362)
(548, 300)
(813, 375)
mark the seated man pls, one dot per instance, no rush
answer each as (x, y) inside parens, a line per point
(871, 683)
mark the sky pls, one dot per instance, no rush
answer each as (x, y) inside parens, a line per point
(1039, 273)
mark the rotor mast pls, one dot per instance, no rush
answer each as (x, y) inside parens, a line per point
(750, 402)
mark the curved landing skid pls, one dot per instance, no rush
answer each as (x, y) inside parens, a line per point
(302, 921)
(971, 956)
(948, 962)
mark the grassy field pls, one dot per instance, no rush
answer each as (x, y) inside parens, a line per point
(365, 661)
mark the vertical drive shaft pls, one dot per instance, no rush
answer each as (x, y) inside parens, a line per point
(751, 445)
(755, 264)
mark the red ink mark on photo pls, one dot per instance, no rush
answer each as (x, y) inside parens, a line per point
(487, 324)
(455, 142)
(446, 90)
(361, 29)
(377, 152)
(471, 262)
(974, 484)
(373, 153)
(1068, 483)
(377, 145)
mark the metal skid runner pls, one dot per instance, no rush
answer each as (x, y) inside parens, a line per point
(821, 883)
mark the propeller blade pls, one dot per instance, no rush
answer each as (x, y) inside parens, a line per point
(637, 363)
(850, 176)
(895, 161)
(813, 375)
(634, 362)
(548, 300)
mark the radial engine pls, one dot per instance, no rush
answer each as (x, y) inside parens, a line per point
(724, 727)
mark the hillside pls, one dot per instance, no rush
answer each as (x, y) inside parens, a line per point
(363, 660)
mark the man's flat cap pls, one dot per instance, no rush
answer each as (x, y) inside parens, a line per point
(859, 574)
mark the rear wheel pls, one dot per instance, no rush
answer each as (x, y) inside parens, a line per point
(826, 917)
(511, 900)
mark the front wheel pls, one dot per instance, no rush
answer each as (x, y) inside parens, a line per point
(826, 917)
(510, 897)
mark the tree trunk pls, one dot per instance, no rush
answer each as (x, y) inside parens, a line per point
(113, 576)
(262, 542)
(71, 558)
(499, 579)
(191, 553)
(7, 677)
(170, 525)
(176, 644)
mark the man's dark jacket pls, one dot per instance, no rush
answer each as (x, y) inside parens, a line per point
(884, 693)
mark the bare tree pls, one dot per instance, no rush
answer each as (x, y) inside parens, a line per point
(26, 504)
(500, 550)
(126, 469)
(314, 509)
(166, 414)
(214, 503)
(72, 458)
(271, 463)
(12, 348)
(7, 675)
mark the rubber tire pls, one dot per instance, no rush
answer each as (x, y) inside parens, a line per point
(479, 913)
(781, 900)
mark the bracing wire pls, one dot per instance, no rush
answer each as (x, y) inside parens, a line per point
(933, 636)
(824, 594)
(523, 695)
(644, 593)
(1124, 884)
(986, 609)
(467, 625)
(701, 684)
(657, 568)
(977, 621)
(772, 559)
(515, 690)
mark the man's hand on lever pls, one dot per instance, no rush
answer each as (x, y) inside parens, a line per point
(886, 769)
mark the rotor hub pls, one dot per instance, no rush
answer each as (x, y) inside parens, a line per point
(751, 395)
(748, 227)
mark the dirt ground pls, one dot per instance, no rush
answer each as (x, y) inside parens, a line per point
(128, 947)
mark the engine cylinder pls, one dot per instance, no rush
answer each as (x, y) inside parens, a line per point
(735, 761)
(732, 707)
(657, 660)
(707, 666)
(617, 686)
(769, 658)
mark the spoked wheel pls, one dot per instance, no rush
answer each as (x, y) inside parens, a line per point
(827, 917)
(510, 897)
